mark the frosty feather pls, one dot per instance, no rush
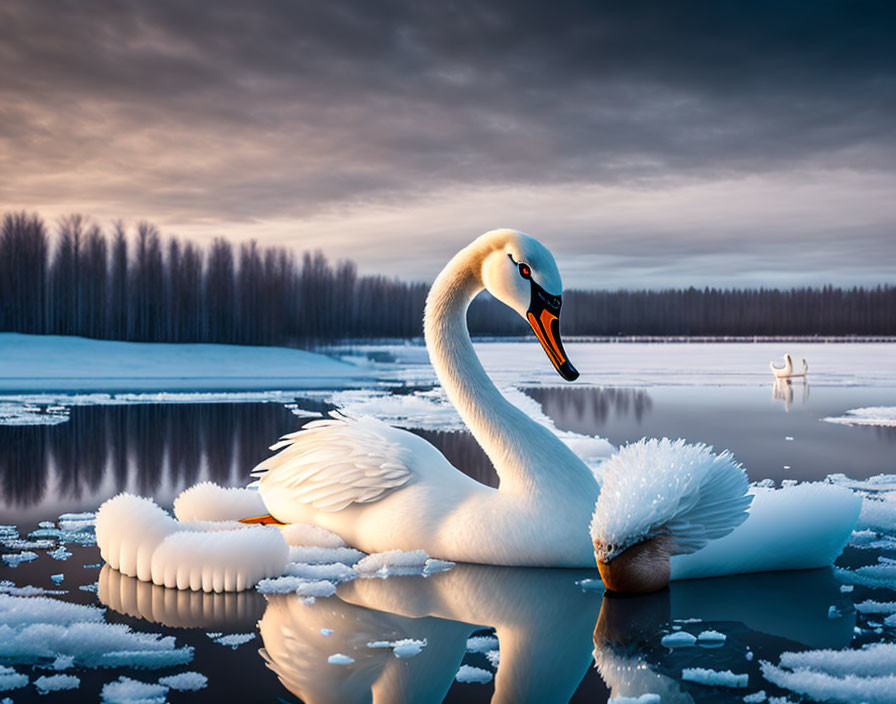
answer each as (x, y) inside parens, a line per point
(655, 487)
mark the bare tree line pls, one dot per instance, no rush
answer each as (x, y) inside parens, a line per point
(137, 286)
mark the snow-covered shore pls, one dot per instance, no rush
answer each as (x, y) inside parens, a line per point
(61, 363)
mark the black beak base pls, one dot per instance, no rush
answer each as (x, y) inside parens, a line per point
(544, 317)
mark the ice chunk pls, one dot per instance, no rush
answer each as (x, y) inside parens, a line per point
(643, 699)
(407, 647)
(433, 565)
(145, 659)
(57, 578)
(824, 686)
(324, 556)
(834, 612)
(876, 607)
(494, 658)
(873, 576)
(235, 640)
(56, 683)
(37, 628)
(10, 679)
(400, 562)
(296, 585)
(481, 644)
(392, 562)
(711, 636)
(20, 611)
(470, 674)
(62, 662)
(846, 588)
(714, 678)
(127, 691)
(139, 539)
(15, 559)
(333, 572)
(326, 632)
(20, 544)
(60, 553)
(679, 639)
(185, 681)
(590, 585)
(76, 521)
(7, 587)
(340, 659)
(755, 697)
(868, 661)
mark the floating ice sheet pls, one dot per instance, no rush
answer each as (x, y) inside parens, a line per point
(882, 416)
(846, 676)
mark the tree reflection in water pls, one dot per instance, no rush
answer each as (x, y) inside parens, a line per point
(160, 449)
(586, 409)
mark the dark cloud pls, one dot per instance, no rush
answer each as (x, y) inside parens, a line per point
(238, 115)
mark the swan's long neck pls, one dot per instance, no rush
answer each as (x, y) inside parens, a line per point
(529, 459)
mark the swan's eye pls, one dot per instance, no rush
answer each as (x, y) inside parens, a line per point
(525, 271)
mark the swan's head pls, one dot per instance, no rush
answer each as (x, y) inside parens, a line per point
(521, 272)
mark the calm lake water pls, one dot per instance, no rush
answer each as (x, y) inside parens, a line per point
(557, 642)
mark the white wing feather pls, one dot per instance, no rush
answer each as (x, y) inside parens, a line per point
(663, 486)
(330, 464)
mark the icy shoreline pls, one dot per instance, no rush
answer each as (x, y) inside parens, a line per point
(36, 363)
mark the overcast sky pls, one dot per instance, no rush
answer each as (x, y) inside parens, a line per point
(647, 144)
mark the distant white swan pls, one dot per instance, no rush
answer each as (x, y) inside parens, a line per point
(787, 372)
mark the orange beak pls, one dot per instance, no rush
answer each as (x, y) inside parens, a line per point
(544, 317)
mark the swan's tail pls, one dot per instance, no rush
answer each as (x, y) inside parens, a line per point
(655, 488)
(140, 540)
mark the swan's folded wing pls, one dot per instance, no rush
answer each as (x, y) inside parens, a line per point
(660, 486)
(330, 464)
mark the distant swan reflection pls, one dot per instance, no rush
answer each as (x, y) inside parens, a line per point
(782, 390)
(549, 630)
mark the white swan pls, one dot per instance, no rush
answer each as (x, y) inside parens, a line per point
(786, 372)
(667, 511)
(382, 488)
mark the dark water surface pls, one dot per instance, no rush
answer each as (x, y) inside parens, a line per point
(551, 632)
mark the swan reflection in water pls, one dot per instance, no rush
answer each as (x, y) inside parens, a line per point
(550, 630)
(782, 390)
